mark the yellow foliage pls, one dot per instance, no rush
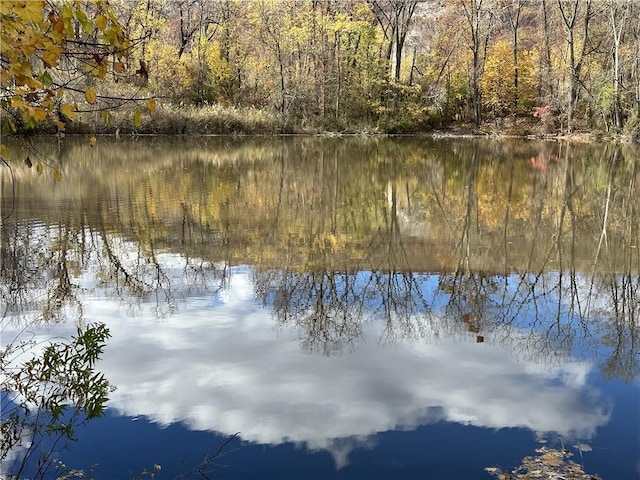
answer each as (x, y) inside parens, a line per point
(39, 114)
(146, 17)
(218, 71)
(497, 84)
(168, 74)
(68, 110)
(90, 95)
(35, 36)
(137, 118)
(101, 22)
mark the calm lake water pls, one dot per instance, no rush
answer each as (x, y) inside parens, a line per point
(354, 307)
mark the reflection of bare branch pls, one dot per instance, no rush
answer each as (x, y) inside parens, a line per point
(603, 234)
(136, 285)
(323, 306)
(465, 241)
(199, 274)
(621, 328)
(28, 264)
(206, 464)
(17, 268)
(36, 259)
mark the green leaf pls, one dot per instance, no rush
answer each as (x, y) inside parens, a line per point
(87, 26)
(46, 79)
(137, 118)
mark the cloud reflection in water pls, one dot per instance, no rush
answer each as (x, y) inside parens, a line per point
(221, 366)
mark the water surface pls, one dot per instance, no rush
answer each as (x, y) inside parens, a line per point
(353, 307)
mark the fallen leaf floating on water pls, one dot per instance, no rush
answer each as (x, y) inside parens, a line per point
(549, 464)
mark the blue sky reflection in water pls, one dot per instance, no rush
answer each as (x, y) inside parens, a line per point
(408, 313)
(218, 364)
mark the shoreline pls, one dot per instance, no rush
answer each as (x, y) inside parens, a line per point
(579, 137)
(214, 120)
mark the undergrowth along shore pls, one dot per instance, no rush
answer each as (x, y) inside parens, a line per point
(220, 120)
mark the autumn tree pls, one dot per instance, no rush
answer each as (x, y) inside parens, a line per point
(395, 16)
(619, 12)
(328, 63)
(513, 10)
(141, 22)
(576, 15)
(359, 75)
(444, 76)
(479, 17)
(191, 17)
(634, 68)
(500, 91)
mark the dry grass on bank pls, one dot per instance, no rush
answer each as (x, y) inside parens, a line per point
(186, 120)
(168, 119)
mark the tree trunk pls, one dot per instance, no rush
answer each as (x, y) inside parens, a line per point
(570, 18)
(617, 27)
(514, 20)
(479, 20)
(547, 51)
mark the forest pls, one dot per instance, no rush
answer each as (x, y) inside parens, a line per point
(306, 66)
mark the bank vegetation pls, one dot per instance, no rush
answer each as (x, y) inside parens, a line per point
(521, 67)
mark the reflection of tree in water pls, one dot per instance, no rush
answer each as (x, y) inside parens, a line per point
(324, 306)
(42, 268)
(452, 247)
(511, 244)
(614, 297)
(540, 301)
(38, 260)
(329, 304)
(620, 329)
(396, 290)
